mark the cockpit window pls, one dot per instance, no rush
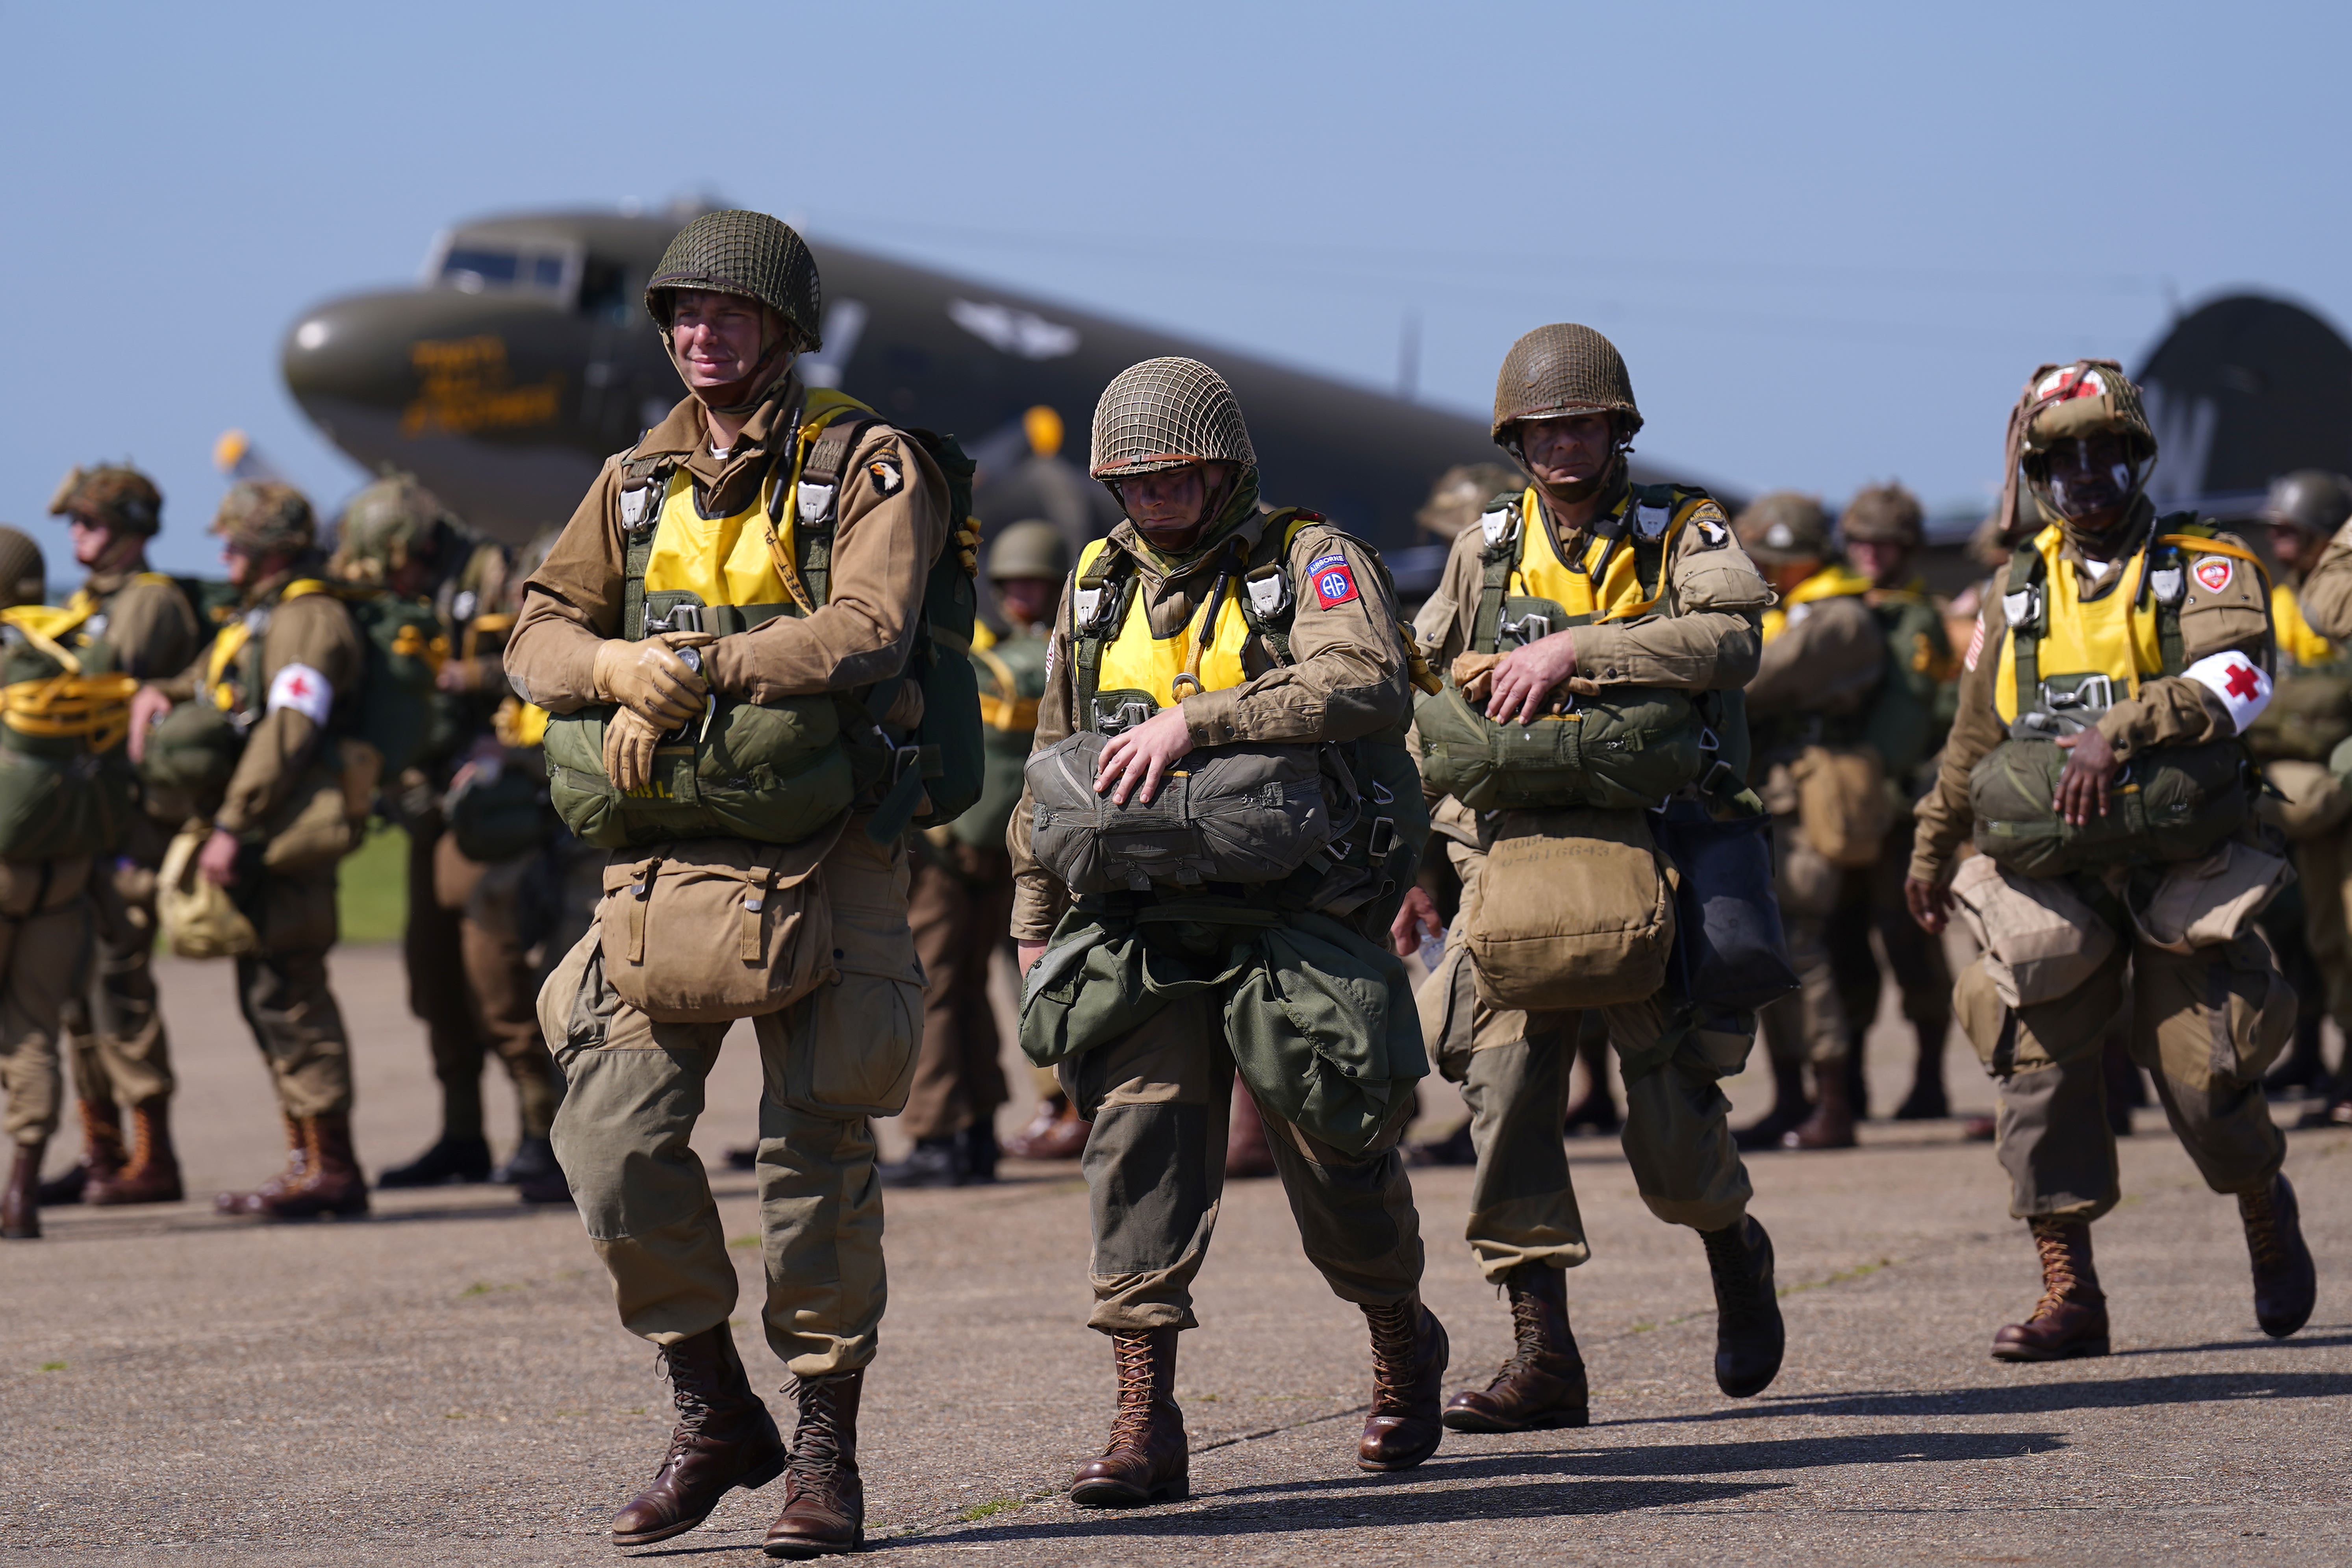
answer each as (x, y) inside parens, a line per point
(473, 267)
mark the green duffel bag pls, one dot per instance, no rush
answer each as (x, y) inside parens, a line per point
(59, 800)
(2173, 802)
(773, 774)
(189, 759)
(1629, 746)
(2308, 716)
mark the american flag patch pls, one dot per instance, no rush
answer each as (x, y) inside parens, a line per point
(1976, 642)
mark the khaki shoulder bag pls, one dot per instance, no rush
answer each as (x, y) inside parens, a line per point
(1842, 804)
(715, 929)
(1574, 910)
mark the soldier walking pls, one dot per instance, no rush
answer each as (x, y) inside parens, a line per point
(1208, 625)
(468, 982)
(721, 517)
(138, 623)
(1586, 577)
(2098, 761)
(284, 678)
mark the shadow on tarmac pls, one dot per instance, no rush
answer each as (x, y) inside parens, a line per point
(2040, 1398)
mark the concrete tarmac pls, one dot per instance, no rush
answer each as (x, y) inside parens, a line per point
(445, 1382)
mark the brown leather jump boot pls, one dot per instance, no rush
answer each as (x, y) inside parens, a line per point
(257, 1201)
(824, 1499)
(2071, 1319)
(1146, 1459)
(1542, 1385)
(1410, 1351)
(20, 1202)
(1830, 1126)
(1750, 1336)
(724, 1438)
(102, 1155)
(1055, 1132)
(152, 1175)
(2286, 1284)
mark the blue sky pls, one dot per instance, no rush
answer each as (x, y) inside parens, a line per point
(1831, 241)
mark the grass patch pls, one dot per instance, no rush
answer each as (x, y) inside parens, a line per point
(52, 1366)
(372, 887)
(482, 1288)
(981, 1510)
(750, 1240)
(1842, 1277)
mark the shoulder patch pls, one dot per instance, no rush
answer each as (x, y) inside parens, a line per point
(884, 472)
(2214, 572)
(1335, 583)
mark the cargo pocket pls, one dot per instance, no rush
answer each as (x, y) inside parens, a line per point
(575, 1005)
(849, 1049)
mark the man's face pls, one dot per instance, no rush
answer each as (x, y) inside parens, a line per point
(238, 565)
(1170, 506)
(411, 577)
(2294, 547)
(1575, 449)
(1877, 560)
(2090, 479)
(91, 540)
(717, 336)
(1028, 600)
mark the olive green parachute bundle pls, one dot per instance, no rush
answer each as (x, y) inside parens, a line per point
(1248, 812)
(1623, 747)
(773, 774)
(2171, 803)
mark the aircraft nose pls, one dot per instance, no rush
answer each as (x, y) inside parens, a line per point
(346, 353)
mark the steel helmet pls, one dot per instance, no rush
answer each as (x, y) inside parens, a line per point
(747, 254)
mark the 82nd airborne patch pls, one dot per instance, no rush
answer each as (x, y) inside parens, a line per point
(1334, 583)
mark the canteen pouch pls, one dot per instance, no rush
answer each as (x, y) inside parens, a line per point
(2040, 939)
(1243, 812)
(710, 930)
(2207, 902)
(1620, 748)
(197, 918)
(2172, 803)
(1842, 804)
(1573, 910)
(1729, 952)
(2306, 800)
(774, 772)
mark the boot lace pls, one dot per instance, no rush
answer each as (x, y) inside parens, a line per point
(1530, 1348)
(1394, 1339)
(816, 1440)
(689, 1393)
(1737, 1299)
(1138, 1389)
(2062, 1284)
(2263, 1239)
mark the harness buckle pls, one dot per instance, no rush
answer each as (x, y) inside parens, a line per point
(813, 502)
(2169, 582)
(1650, 521)
(1536, 619)
(633, 503)
(2096, 694)
(1498, 525)
(1126, 716)
(1269, 590)
(1085, 603)
(681, 619)
(2023, 608)
(1382, 837)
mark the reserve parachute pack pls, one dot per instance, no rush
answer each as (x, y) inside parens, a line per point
(2169, 803)
(1332, 828)
(193, 753)
(1613, 747)
(776, 772)
(67, 788)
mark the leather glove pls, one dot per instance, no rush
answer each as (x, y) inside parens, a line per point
(629, 743)
(649, 680)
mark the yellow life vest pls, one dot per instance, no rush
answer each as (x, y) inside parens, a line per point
(2297, 643)
(2117, 635)
(1135, 660)
(1542, 572)
(740, 559)
(1835, 581)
